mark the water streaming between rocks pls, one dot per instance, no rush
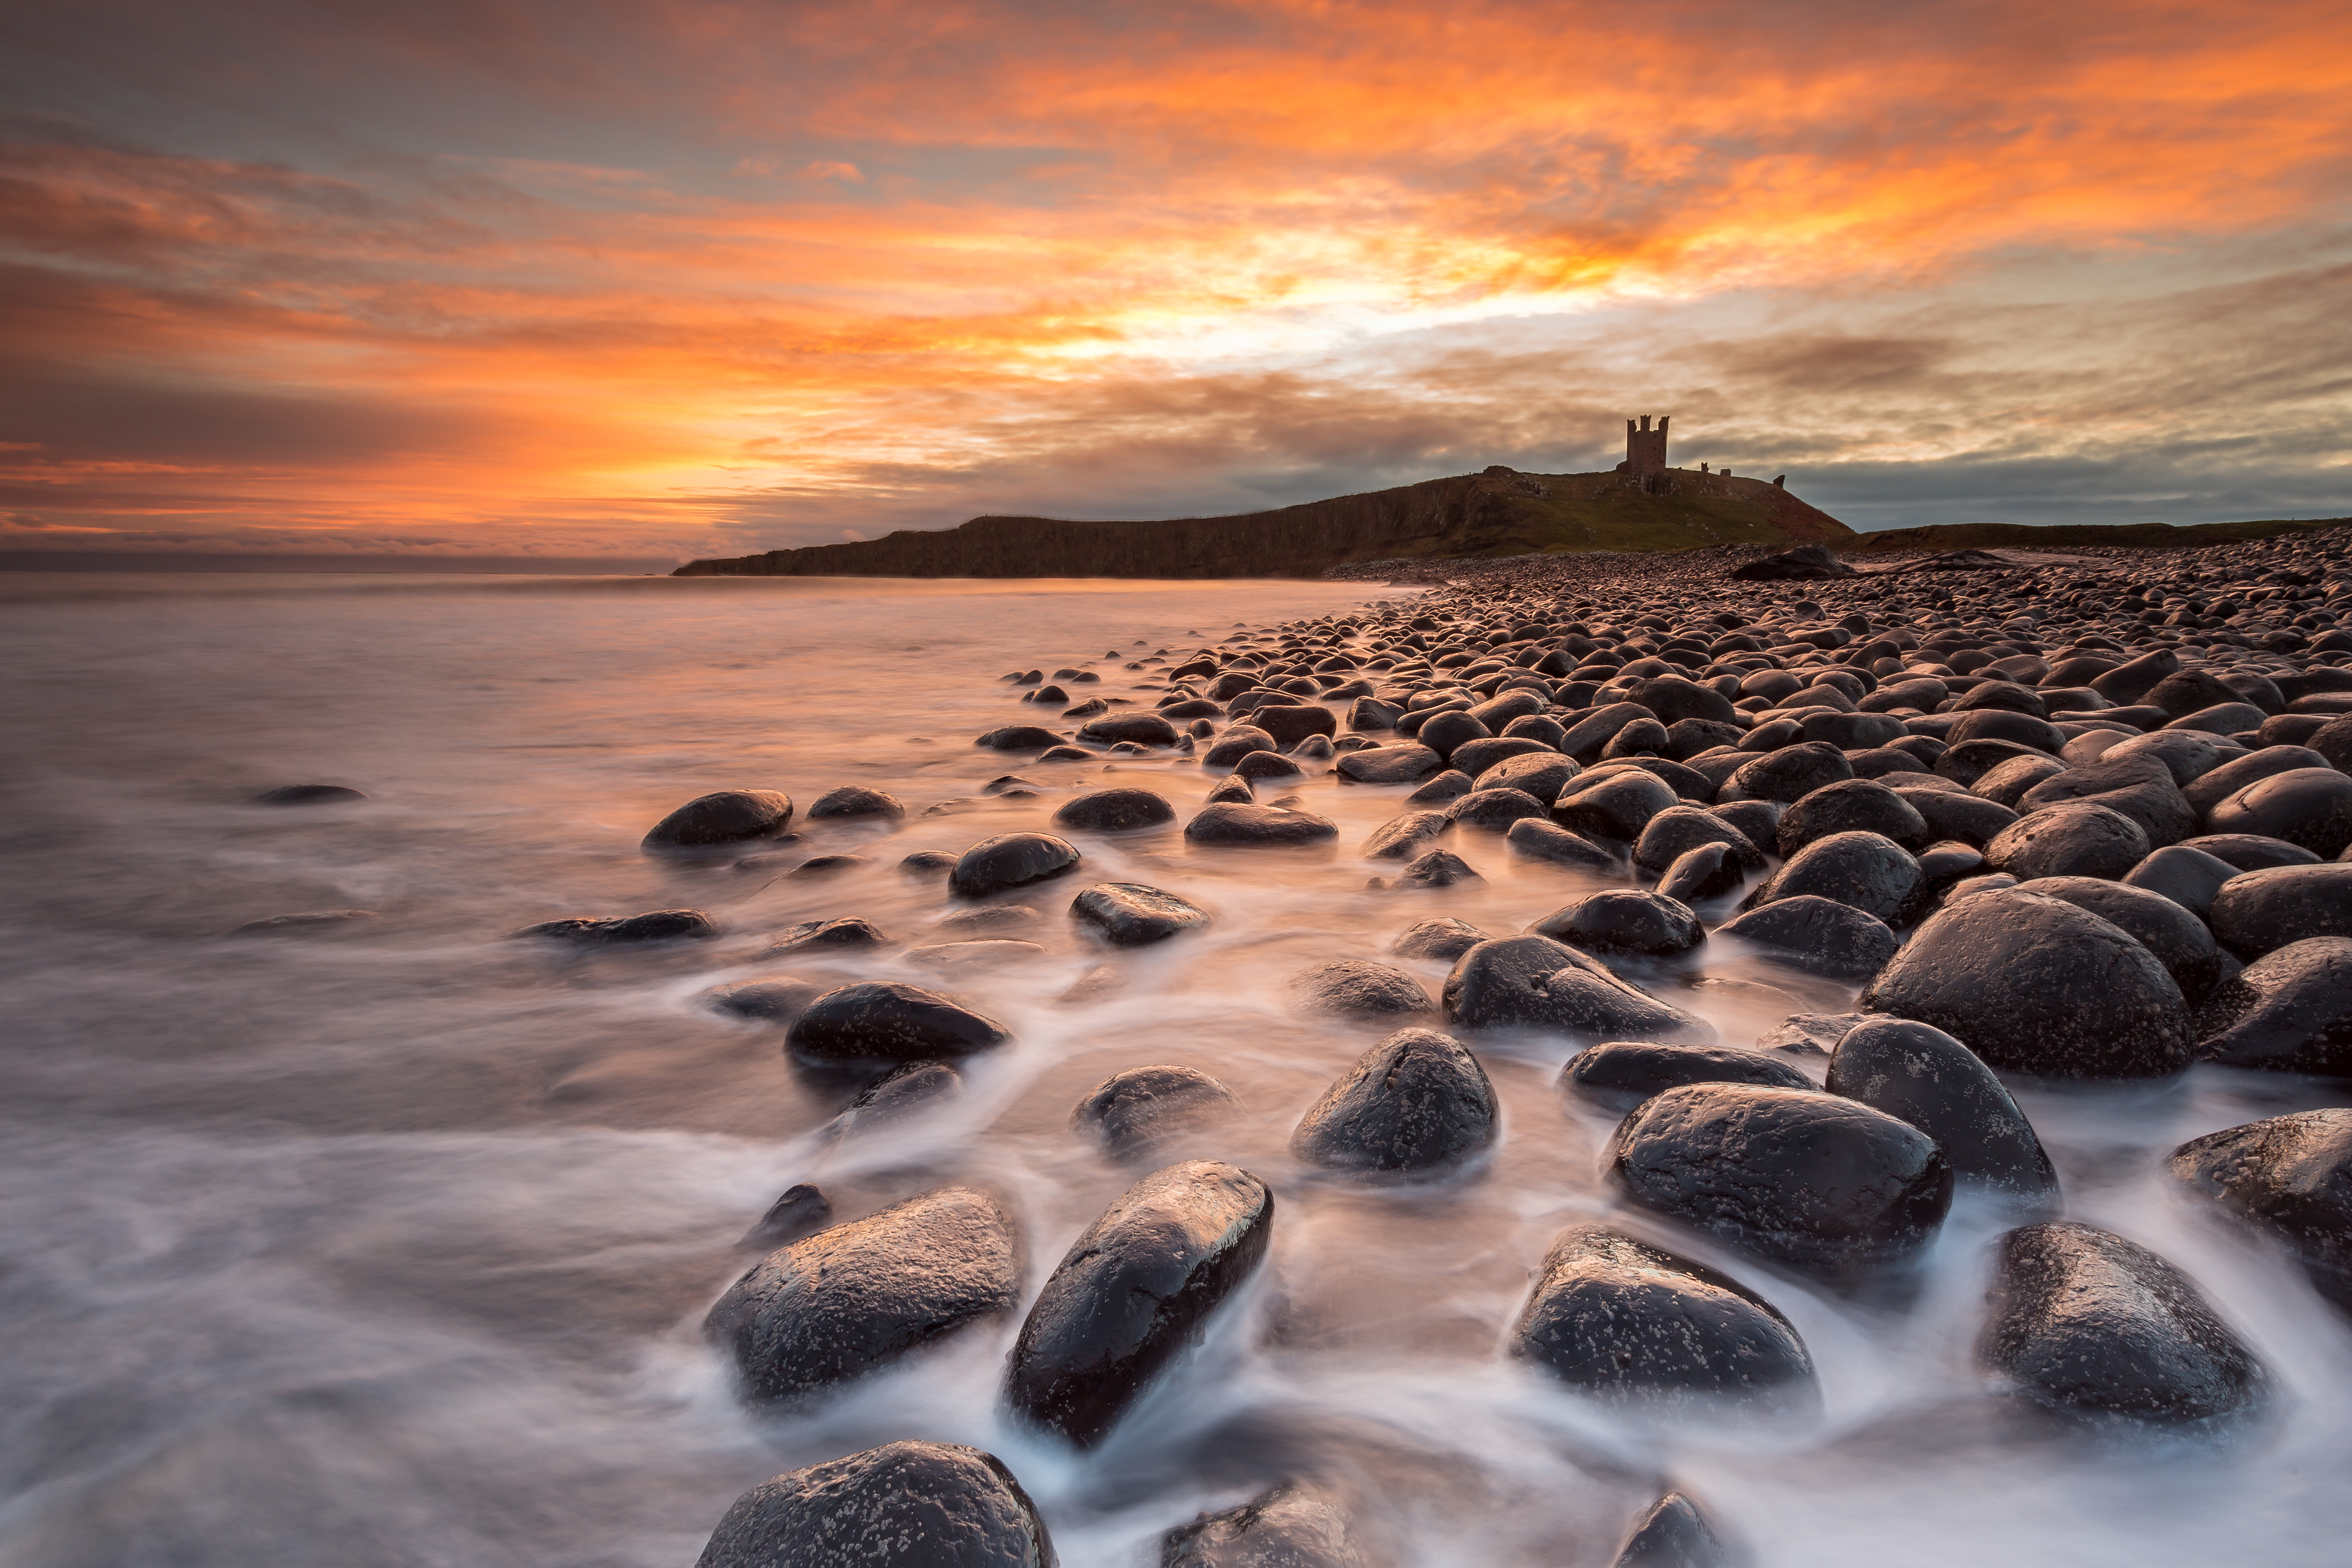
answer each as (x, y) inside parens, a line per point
(389, 1245)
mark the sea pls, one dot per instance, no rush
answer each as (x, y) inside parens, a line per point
(388, 1242)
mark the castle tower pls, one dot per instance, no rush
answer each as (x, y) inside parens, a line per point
(1645, 449)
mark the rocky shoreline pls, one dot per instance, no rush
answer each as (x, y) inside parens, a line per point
(2084, 819)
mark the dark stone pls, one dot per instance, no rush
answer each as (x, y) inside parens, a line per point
(1679, 829)
(1145, 728)
(1758, 821)
(2210, 788)
(1805, 1179)
(1444, 789)
(883, 1021)
(1954, 815)
(2006, 783)
(1968, 763)
(2186, 755)
(1941, 864)
(2178, 939)
(1623, 1073)
(906, 1089)
(854, 1298)
(768, 1001)
(2309, 807)
(1447, 732)
(1287, 1527)
(2291, 1175)
(2251, 852)
(801, 1210)
(1266, 765)
(904, 1505)
(826, 865)
(1790, 774)
(1136, 1288)
(1674, 1535)
(1821, 936)
(1408, 762)
(614, 931)
(2126, 684)
(1442, 940)
(1233, 823)
(1708, 871)
(1616, 806)
(1114, 811)
(1019, 737)
(1921, 1075)
(1234, 744)
(1011, 860)
(1549, 841)
(2087, 1323)
(1621, 920)
(2141, 787)
(2023, 729)
(728, 816)
(927, 863)
(1592, 732)
(2001, 696)
(1497, 809)
(343, 795)
(1807, 563)
(1535, 983)
(2264, 911)
(1478, 757)
(852, 801)
(2185, 692)
(1132, 1110)
(2288, 1010)
(1542, 774)
(1416, 1101)
(1611, 1315)
(307, 922)
(2070, 838)
(1808, 1033)
(1847, 806)
(1437, 868)
(2036, 985)
(1873, 874)
(1129, 914)
(1404, 837)
(1357, 988)
(1290, 723)
(2189, 878)
(1674, 699)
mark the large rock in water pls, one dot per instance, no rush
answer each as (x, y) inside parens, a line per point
(1866, 871)
(726, 817)
(883, 1021)
(1807, 563)
(2264, 910)
(1810, 1180)
(1620, 920)
(1535, 983)
(621, 930)
(1623, 1073)
(1923, 1076)
(2070, 838)
(1229, 822)
(1114, 811)
(1356, 988)
(2293, 1176)
(1011, 860)
(1673, 1533)
(1132, 914)
(1133, 1290)
(1130, 1112)
(1408, 762)
(1819, 935)
(857, 1296)
(1287, 1527)
(2289, 1011)
(904, 1505)
(2036, 985)
(1614, 1315)
(2087, 1323)
(1416, 1101)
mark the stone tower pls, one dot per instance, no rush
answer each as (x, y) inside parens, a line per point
(1645, 449)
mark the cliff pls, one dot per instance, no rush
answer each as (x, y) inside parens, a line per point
(1498, 512)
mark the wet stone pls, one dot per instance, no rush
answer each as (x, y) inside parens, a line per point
(855, 801)
(619, 931)
(1011, 860)
(1416, 1101)
(885, 1021)
(2070, 838)
(1821, 936)
(2292, 1177)
(1847, 806)
(1863, 870)
(1623, 922)
(2261, 912)
(1679, 829)
(1673, 1533)
(2288, 1010)
(1356, 988)
(1541, 841)
(1138, 1287)
(905, 1505)
(1290, 1526)
(1113, 811)
(843, 930)
(1130, 1112)
(1436, 868)
(1623, 1073)
(2178, 938)
(1442, 789)
(848, 1301)
(1496, 810)
(1535, 983)
(726, 817)
(1391, 765)
(2309, 807)
(1227, 822)
(1926, 1078)
(338, 794)
(1440, 940)
(1019, 737)
(801, 1210)
(2189, 878)
(1615, 806)
(1615, 1316)
(768, 1001)
(904, 1090)
(2087, 1323)
(1130, 914)
(1805, 1179)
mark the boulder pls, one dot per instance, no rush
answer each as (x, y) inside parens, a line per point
(1135, 1289)
(1674, 699)
(2209, 789)
(2310, 807)
(1229, 822)
(904, 1505)
(2290, 1175)
(2261, 912)
(1019, 737)
(1130, 914)
(2070, 838)
(1404, 837)
(343, 794)
(1290, 723)
(1113, 811)
(727, 816)
(1542, 774)
(1496, 810)
(1416, 1101)
(1850, 805)
(1923, 1076)
(2178, 939)
(843, 930)
(1956, 815)
(1535, 983)
(2085, 1323)
(2288, 1010)
(1479, 758)
(1130, 1112)
(1614, 807)
(1623, 1073)
(1011, 860)
(1443, 939)
(1448, 732)
(2250, 851)
(2035, 984)
(1808, 1180)
(1289, 1526)
(1408, 762)
(1551, 841)
(2127, 683)
(1356, 988)
(854, 802)
(620, 931)
(848, 1301)
(1865, 871)
(883, 1021)
(1613, 1316)
(2140, 787)
(1679, 829)
(1788, 774)
(1241, 741)
(2189, 878)
(1819, 935)
(1807, 563)
(767, 1001)
(1148, 729)
(1620, 921)
(1673, 1533)
(1436, 868)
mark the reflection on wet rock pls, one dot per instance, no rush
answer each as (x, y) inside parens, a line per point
(1418, 1101)
(899, 1506)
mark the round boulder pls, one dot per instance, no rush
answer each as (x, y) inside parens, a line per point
(1623, 1073)
(904, 1505)
(1129, 914)
(1011, 860)
(2308, 806)
(1819, 935)
(1416, 1101)
(727, 816)
(883, 1021)
(2291, 1175)
(1621, 920)
(2178, 939)
(1535, 983)
(1113, 811)
(1357, 988)
(1850, 805)
(2264, 910)
(1923, 1076)
(1130, 1112)
(2070, 838)
(1232, 822)
(855, 801)
(2288, 1010)
(1864, 871)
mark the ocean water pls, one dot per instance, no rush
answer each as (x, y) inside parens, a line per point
(389, 1244)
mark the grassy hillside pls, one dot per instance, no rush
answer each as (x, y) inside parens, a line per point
(1485, 514)
(2059, 536)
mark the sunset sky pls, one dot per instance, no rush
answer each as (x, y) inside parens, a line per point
(664, 280)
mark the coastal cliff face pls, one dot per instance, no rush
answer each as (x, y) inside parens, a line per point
(1489, 514)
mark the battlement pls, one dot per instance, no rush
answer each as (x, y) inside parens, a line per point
(1645, 449)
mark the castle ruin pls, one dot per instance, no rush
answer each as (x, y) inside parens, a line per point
(1646, 454)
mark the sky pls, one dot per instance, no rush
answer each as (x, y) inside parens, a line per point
(667, 278)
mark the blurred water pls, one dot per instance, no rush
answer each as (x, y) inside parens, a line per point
(389, 1246)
